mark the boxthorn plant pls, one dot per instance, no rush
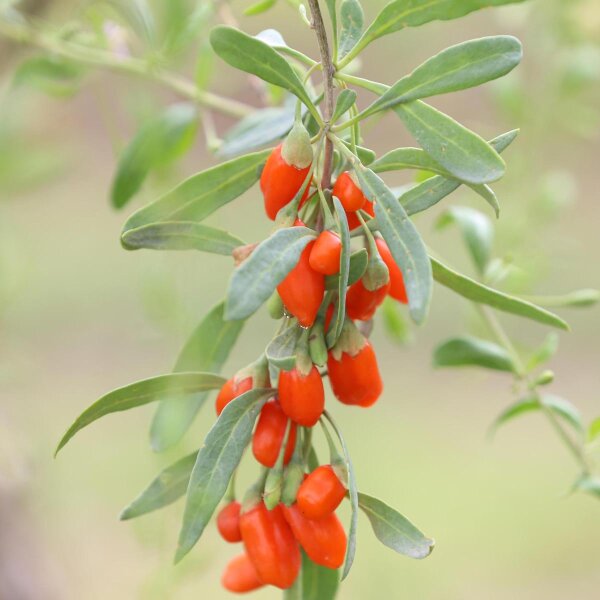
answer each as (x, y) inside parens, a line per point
(343, 245)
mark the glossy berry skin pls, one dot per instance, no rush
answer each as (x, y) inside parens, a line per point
(325, 254)
(228, 522)
(353, 221)
(348, 193)
(230, 391)
(397, 288)
(320, 493)
(302, 398)
(324, 540)
(240, 576)
(361, 303)
(271, 545)
(280, 182)
(355, 380)
(269, 435)
(303, 289)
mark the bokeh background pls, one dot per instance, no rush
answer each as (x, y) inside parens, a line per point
(80, 316)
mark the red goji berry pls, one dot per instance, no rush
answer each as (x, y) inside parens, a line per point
(302, 397)
(240, 576)
(325, 254)
(303, 289)
(361, 303)
(324, 540)
(320, 493)
(355, 379)
(280, 182)
(228, 522)
(269, 434)
(230, 391)
(397, 288)
(271, 545)
(353, 221)
(348, 193)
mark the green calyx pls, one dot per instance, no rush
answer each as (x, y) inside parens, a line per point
(297, 149)
(304, 363)
(258, 371)
(351, 341)
(377, 274)
(294, 475)
(317, 345)
(275, 306)
(253, 496)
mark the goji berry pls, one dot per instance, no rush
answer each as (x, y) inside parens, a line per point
(228, 522)
(302, 397)
(326, 252)
(320, 493)
(269, 434)
(361, 303)
(397, 288)
(348, 193)
(231, 390)
(353, 221)
(240, 576)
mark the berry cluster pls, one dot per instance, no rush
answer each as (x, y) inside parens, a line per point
(287, 509)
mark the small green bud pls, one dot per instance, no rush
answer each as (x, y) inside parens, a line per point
(545, 378)
(273, 485)
(317, 345)
(377, 274)
(275, 306)
(294, 475)
(297, 149)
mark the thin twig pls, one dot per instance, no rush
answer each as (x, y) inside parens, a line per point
(27, 34)
(328, 75)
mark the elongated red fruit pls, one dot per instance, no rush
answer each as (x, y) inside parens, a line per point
(325, 254)
(269, 434)
(280, 182)
(303, 289)
(349, 194)
(324, 540)
(355, 380)
(240, 576)
(320, 493)
(361, 303)
(271, 545)
(302, 397)
(228, 522)
(232, 390)
(397, 288)
(353, 221)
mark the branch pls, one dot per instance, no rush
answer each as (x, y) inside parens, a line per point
(328, 75)
(26, 34)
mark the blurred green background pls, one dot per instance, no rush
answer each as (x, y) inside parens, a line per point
(80, 316)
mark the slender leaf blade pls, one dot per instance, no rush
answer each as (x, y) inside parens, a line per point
(468, 351)
(318, 583)
(202, 194)
(256, 278)
(207, 349)
(170, 485)
(352, 24)
(141, 393)
(482, 294)
(394, 530)
(181, 235)
(217, 460)
(404, 242)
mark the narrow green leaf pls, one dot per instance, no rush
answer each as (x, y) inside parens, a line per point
(399, 14)
(332, 9)
(169, 486)
(281, 352)
(394, 530)
(395, 324)
(202, 194)
(156, 144)
(256, 278)
(352, 25)
(464, 154)
(337, 325)
(562, 408)
(345, 101)
(588, 484)
(51, 75)
(577, 299)
(260, 128)
(318, 583)
(207, 349)
(482, 294)
(259, 7)
(431, 191)
(477, 232)
(181, 235)
(404, 242)
(253, 56)
(457, 68)
(140, 393)
(365, 155)
(353, 495)
(358, 265)
(217, 460)
(594, 430)
(545, 352)
(468, 351)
